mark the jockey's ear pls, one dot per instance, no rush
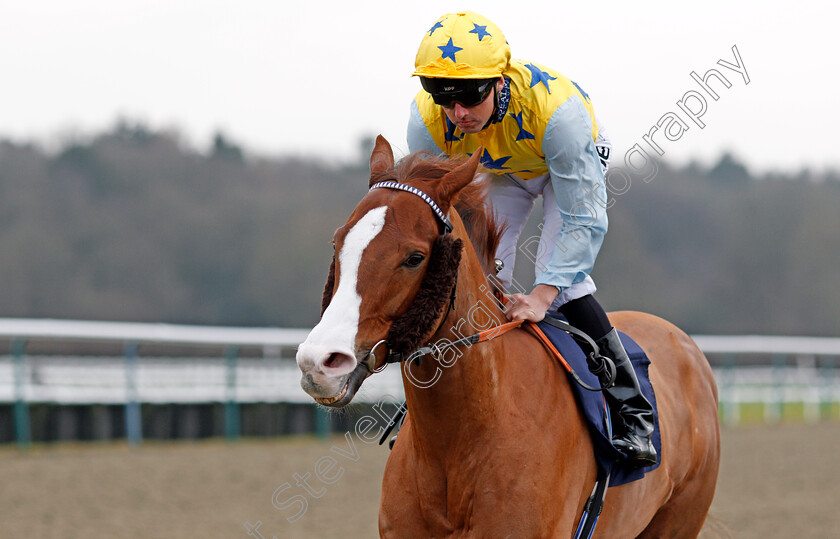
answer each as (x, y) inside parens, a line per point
(382, 158)
(454, 181)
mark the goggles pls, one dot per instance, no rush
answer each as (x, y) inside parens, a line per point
(467, 92)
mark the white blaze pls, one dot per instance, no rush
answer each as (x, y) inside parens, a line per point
(336, 332)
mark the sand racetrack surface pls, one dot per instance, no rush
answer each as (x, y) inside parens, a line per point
(777, 481)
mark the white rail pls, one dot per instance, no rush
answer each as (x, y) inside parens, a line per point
(768, 344)
(138, 333)
(65, 379)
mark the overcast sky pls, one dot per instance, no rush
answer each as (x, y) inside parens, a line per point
(313, 77)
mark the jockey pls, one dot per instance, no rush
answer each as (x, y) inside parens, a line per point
(539, 136)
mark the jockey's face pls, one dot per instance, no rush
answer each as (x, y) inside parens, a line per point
(473, 119)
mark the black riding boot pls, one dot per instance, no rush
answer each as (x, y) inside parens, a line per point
(625, 397)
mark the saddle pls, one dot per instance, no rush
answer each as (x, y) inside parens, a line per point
(566, 349)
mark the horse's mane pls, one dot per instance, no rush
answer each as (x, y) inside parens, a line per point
(483, 229)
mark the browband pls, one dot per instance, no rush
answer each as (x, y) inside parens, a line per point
(426, 198)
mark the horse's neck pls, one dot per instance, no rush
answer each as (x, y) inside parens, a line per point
(457, 393)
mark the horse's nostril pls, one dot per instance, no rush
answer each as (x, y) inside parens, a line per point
(337, 363)
(331, 360)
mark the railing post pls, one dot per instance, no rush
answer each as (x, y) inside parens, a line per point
(21, 410)
(133, 416)
(731, 408)
(827, 399)
(811, 393)
(231, 405)
(323, 423)
(775, 411)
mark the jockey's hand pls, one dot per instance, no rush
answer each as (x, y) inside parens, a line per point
(531, 306)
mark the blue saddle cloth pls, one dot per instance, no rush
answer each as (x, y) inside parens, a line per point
(594, 407)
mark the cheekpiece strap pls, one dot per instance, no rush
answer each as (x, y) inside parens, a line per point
(426, 198)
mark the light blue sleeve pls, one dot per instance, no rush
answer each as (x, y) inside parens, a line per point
(578, 183)
(418, 135)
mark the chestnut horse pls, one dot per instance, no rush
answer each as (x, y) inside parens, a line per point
(493, 444)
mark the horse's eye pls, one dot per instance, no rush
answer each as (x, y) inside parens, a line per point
(414, 260)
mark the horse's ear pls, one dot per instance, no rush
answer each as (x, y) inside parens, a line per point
(454, 181)
(382, 158)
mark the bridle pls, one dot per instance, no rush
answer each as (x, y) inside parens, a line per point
(393, 356)
(442, 274)
(406, 340)
(447, 225)
(445, 247)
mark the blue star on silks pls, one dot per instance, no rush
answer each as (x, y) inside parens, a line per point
(481, 31)
(584, 94)
(494, 164)
(539, 76)
(449, 50)
(523, 135)
(450, 135)
(435, 27)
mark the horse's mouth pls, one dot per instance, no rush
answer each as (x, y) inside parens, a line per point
(348, 391)
(331, 400)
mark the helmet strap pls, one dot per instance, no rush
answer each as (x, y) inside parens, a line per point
(495, 113)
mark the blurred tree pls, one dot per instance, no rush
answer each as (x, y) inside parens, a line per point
(131, 225)
(730, 171)
(133, 131)
(224, 149)
(366, 144)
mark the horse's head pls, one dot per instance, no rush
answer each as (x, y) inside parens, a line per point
(390, 256)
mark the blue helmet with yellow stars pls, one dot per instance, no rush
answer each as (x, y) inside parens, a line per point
(462, 45)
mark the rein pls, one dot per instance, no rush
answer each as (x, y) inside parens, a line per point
(599, 365)
(482, 336)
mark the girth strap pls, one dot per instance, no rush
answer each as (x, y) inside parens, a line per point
(593, 507)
